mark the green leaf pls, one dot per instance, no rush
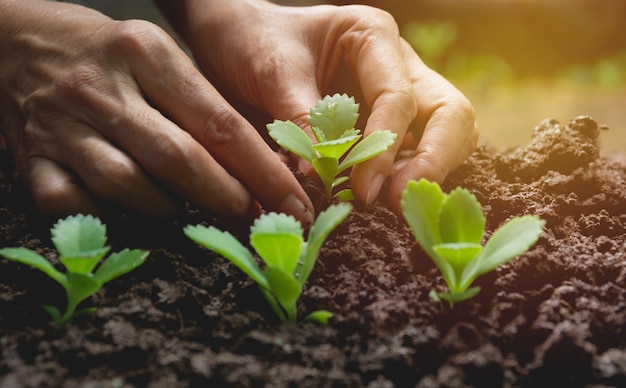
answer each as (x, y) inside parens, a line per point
(336, 148)
(319, 135)
(345, 195)
(285, 288)
(84, 264)
(453, 298)
(53, 311)
(29, 257)
(120, 263)
(458, 255)
(325, 223)
(326, 169)
(228, 246)
(509, 241)
(79, 236)
(421, 203)
(291, 137)
(334, 115)
(372, 145)
(319, 316)
(80, 287)
(277, 239)
(461, 218)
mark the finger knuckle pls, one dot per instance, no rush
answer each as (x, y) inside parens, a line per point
(114, 179)
(136, 38)
(222, 128)
(54, 200)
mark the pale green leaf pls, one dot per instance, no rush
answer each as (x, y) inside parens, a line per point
(120, 263)
(373, 144)
(78, 236)
(285, 288)
(326, 169)
(325, 223)
(319, 316)
(277, 239)
(458, 255)
(32, 258)
(334, 115)
(509, 241)
(345, 195)
(461, 218)
(291, 137)
(84, 264)
(336, 148)
(228, 246)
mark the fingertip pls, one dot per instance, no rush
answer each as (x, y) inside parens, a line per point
(55, 191)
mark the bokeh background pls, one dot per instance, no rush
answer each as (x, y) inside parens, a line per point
(518, 61)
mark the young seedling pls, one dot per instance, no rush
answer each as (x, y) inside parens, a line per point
(278, 240)
(332, 121)
(450, 229)
(79, 241)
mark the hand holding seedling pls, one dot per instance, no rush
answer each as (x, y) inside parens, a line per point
(450, 229)
(79, 241)
(282, 60)
(97, 110)
(338, 147)
(288, 259)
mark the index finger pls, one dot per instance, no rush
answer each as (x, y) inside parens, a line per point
(374, 51)
(177, 87)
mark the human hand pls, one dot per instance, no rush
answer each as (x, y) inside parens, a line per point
(96, 110)
(283, 59)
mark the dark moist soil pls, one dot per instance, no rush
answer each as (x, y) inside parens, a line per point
(555, 316)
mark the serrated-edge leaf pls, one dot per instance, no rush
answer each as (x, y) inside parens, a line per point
(334, 115)
(33, 259)
(372, 145)
(277, 238)
(280, 250)
(511, 240)
(325, 223)
(461, 218)
(319, 135)
(291, 137)
(229, 247)
(119, 263)
(78, 235)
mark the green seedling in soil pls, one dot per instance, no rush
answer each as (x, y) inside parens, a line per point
(79, 241)
(450, 229)
(332, 121)
(278, 240)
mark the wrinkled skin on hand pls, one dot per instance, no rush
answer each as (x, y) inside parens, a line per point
(283, 59)
(95, 111)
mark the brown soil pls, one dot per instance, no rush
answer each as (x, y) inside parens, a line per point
(556, 316)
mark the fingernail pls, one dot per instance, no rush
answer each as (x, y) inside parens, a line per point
(294, 206)
(375, 186)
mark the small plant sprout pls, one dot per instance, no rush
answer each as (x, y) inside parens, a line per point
(450, 229)
(278, 240)
(332, 121)
(79, 241)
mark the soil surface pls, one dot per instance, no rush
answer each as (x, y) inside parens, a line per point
(555, 316)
